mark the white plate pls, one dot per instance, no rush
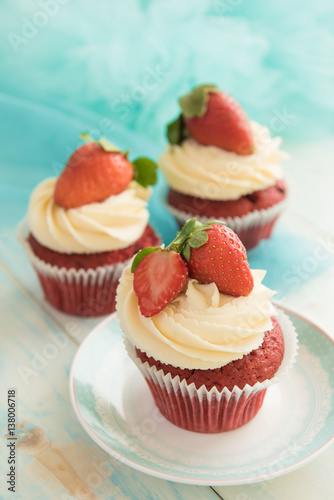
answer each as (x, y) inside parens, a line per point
(115, 407)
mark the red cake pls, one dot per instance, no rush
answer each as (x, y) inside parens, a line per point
(259, 200)
(199, 324)
(257, 366)
(93, 260)
(220, 165)
(85, 226)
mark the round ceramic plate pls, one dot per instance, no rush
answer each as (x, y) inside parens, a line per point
(115, 407)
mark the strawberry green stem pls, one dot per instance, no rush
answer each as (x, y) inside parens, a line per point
(195, 103)
(192, 235)
(104, 143)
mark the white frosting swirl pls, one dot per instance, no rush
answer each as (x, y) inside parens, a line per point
(213, 173)
(112, 224)
(201, 328)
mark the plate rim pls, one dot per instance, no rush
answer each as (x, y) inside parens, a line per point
(169, 476)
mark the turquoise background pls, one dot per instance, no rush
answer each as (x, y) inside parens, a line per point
(118, 67)
(128, 61)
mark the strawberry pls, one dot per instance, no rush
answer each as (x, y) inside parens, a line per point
(210, 253)
(158, 279)
(213, 118)
(221, 260)
(97, 170)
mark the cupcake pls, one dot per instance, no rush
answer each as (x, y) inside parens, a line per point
(220, 165)
(83, 228)
(200, 326)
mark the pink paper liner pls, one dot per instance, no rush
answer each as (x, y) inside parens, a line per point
(218, 415)
(86, 293)
(212, 411)
(251, 228)
(84, 296)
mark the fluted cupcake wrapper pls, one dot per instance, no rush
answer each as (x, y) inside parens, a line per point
(80, 292)
(203, 410)
(251, 228)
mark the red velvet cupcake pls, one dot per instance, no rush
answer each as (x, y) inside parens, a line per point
(202, 329)
(219, 165)
(83, 228)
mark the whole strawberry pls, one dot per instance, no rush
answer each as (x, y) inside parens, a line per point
(213, 118)
(97, 170)
(221, 260)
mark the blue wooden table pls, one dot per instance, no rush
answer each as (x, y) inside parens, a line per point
(55, 458)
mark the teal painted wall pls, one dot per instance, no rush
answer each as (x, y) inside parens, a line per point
(128, 61)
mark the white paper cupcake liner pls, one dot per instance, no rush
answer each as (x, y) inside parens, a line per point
(251, 228)
(204, 410)
(79, 292)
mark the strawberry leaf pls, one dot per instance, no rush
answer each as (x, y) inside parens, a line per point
(186, 231)
(186, 252)
(191, 226)
(140, 255)
(104, 143)
(86, 137)
(198, 239)
(177, 131)
(145, 171)
(192, 235)
(195, 103)
(109, 146)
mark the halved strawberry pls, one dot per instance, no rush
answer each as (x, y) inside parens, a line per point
(97, 170)
(213, 118)
(158, 279)
(221, 260)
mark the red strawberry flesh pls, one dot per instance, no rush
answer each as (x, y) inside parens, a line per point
(158, 280)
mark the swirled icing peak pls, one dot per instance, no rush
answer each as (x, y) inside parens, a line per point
(212, 173)
(202, 328)
(112, 224)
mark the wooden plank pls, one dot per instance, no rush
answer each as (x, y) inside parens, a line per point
(56, 458)
(29, 333)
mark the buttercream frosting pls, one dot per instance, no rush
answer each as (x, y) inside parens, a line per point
(201, 328)
(213, 173)
(112, 224)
